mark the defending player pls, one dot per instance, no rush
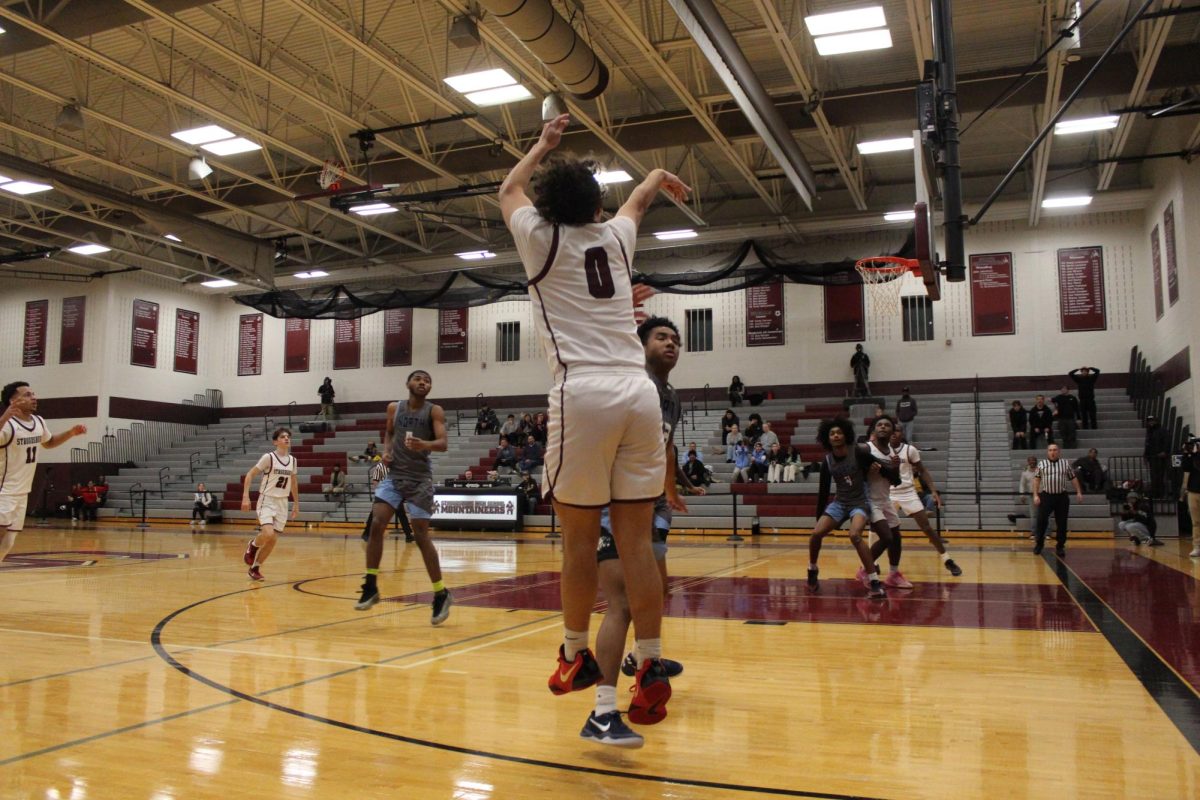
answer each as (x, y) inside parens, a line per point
(278, 470)
(904, 497)
(22, 432)
(415, 428)
(605, 441)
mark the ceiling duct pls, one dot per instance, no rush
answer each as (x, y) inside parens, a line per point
(712, 36)
(554, 42)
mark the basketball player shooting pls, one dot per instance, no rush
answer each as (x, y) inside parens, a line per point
(605, 439)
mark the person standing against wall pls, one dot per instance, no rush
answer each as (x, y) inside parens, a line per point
(906, 413)
(1085, 381)
(1157, 454)
(326, 392)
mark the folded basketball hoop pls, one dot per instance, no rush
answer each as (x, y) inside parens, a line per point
(881, 275)
(330, 176)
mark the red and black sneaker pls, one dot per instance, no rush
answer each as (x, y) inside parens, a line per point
(652, 690)
(575, 675)
(255, 574)
(251, 552)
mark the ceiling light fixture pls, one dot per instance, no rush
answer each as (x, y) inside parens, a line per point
(25, 187)
(613, 176)
(372, 209)
(886, 145)
(1067, 202)
(315, 273)
(476, 255)
(203, 134)
(219, 283)
(841, 21)
(670, 236)
(1069, 126)
(477, 81)
(198, 168)
(172, 237)
(231, 147)
(500, 95)
(69, 118)
(900, 216)
(856, 42)
(88, 249)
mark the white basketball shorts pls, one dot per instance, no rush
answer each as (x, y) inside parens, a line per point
(272, 511)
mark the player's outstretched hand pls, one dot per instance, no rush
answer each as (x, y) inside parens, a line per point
(552, 131)
(79, 430)
(678, 190)
(642, 293)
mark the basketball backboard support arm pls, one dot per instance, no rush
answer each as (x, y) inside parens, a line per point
(946, 81)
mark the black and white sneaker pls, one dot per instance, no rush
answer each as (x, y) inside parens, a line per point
(813, 586)
(610, 729)
(629, 666)
(441, 607)
(955, 569)
(369, 597)
(1156, 543)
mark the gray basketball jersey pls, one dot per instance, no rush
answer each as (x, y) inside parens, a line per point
(672, 412)
(408, 463)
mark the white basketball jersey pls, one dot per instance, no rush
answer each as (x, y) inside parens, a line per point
(878, 487)
(908, 456)
(579, 282)
(277, 475)
(19, 445)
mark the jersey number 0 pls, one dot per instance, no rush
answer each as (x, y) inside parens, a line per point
(599, 277)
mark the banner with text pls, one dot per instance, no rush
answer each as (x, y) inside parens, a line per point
(187, 340)
(70, 341)
(1156, 262)
(992, 295)
(143, 346)
(37, 313)
(397, 337)
(452, 335)
(295, 344)
(347, 345)
(1081, 289)
(250, 344)
(764, 315)
(844, 312)
(1169, 245)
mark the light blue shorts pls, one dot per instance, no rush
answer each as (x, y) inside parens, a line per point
(388, 491)
(840, 513)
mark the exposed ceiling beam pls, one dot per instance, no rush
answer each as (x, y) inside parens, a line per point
(1056, 63)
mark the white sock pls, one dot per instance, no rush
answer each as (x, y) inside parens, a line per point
(573, 642)
(893, 568)
(606, 699)
(647, 648)
(945, 556)
(812, 565)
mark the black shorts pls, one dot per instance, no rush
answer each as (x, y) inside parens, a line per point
(606, 550)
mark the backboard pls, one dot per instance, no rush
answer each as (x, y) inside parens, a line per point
(924, 228)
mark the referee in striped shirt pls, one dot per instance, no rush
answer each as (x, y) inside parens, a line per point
(1051, 492)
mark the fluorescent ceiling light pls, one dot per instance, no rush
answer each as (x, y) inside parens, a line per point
(371, 209)
(203, 135)
(25, 187)
(1069, 126)
(316, 273)
(476, 255)
(1067, 202)
(478, 81)
(900, 216)
(172, 237)
(886, 145)
(668, 236)
(88, 249)
(879, 39)
(841, 21)
(219, 283)
(496, 97)
(613, 176)
(231, 147)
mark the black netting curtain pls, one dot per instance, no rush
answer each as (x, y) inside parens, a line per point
(476, 288)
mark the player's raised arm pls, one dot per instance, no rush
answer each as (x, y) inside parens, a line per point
(643, 195)
(514, 192)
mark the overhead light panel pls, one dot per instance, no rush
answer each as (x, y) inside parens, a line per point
(88, 249)
(499, 96)
(219, 283)
(315, 273)
(203, 135)
(172, 237)
(669, 236)
(613, 176)
(198, 168)
(230, 147)
(372, 209)
(1067, 202)
(476, 255)
(1069, 126)
(841, 21)
(879, 39)
(25, 187)
(886, 145)
(478, 81)
(900, 216)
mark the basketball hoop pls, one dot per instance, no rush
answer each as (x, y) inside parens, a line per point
(882, 276)
(330, 175)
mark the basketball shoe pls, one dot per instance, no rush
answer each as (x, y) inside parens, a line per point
(896, 580)
(255, 574)
(955, 569)
(370, 594)
(251, 552)
(578, 674)
(813, 586)
(875, 590)
(652, 690)
(441, 607)
(610, 729)
(629, 666)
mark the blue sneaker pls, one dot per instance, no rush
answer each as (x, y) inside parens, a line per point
(629, 666)
(610, 729)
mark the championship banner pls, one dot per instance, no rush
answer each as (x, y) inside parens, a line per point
(1081, 289)
(143, 345)
(1169, 244)
(1156, 261)
(452, 335)
(764, 315)
(844, 313)
(295, 344)
(347, 343)
(33, 353)
(397, 337)
(70, 340)
(992, 295)
(250, 344)
(187, 341)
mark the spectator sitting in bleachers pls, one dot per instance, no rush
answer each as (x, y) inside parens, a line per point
(790, 459)
(91, 501)
(202, 501)
(1018, 420)
(1091, 472)
(525, 427)
(531, 456)
(370, 454)
(540, 431)
(530, 493)
(737, 391)
(337, 483)
(506, 457)
(510, 428)
(733, 437)
(753, 430)
(741, 463)
(486, 421)
(768, 438)
(728, 421)
(695, 470)
(102, 490)
(776, 459)
(758, 464)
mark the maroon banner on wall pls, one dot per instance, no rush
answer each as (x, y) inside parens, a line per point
(143, 346)
(397, 337)
(295, 344)
(250, 344)
(37, 313)
(992, 295)
(70, 341)
(844, 314)
(1156, 261)
(764, 315)
(1081, 289)
(452, 335)
(347, 346)
(187, 340)
(1169, 244)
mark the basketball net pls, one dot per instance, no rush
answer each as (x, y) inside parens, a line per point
(882, 277)
(330, 176)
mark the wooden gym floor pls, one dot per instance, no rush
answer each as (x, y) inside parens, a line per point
(143, 664)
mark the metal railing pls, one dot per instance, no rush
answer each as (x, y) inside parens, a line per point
(218, 448)
(163, 472)
(706, 388)
(133, 490)
(193, 460)
(246, 430)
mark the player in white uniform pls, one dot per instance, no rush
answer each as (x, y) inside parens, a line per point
(278, 469)
(905, 498)
(605, 438)
(22, 432)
